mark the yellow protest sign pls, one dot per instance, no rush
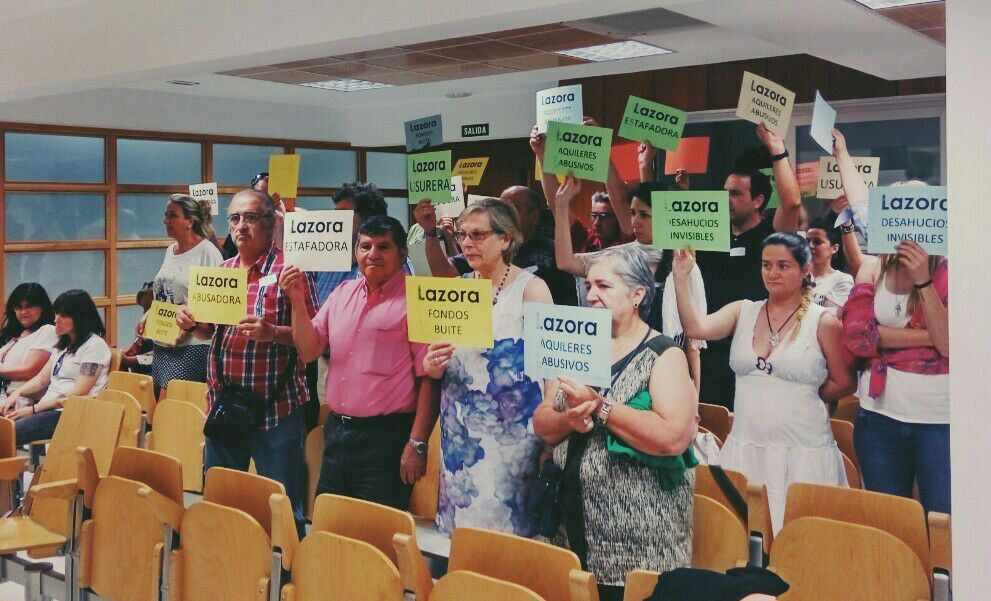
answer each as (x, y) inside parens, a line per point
(455, 310)
(538, 173)
(283, 175)
(471, 170)
(218, 294)
(160, 325)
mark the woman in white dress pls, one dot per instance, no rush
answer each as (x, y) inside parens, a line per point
(789, 364)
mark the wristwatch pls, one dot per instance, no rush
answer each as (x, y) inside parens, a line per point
(435, 233)
(847, 228)
(418, 446)
(603, 415)
(778, 157)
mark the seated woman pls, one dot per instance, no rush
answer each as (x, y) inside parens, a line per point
(628, 491)
(788, 359)
(78, 367)
(28, 337)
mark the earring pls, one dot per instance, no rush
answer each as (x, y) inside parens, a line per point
(636, 305)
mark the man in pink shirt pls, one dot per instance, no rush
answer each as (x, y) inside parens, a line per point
(383, 407)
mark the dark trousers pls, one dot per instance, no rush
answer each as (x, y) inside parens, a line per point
(38, 426)
(718, 379)
(278, 454)
(894, 454)
(610, 593)
(361, 459)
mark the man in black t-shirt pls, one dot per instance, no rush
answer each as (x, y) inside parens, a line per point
(736, 275)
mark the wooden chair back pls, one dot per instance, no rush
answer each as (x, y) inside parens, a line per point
(863, 563)
(189, 391)
(758, 508)
(115, 355)
(330, 566)
(249, 493)
(158, 471)
(843, 433)
(140, 386)
(313, 453)
(225, 554)
(900, 517)
(716, 419)
(719, 539)
(423, 501)
(178, 433)
(847, 409)
(852, 475)
(130, 433)
(85, 422)
(460, 585)
(640, 585)
(540, 567)
(8, 449)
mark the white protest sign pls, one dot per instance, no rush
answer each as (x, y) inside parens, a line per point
(563, 105)
(319, 240)
(567, 341)
(763, 101)
(206, 192)
(831, 187)
(457, 204)
(418, 259)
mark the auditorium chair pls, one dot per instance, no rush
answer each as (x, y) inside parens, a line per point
(326, 565)
(423, 502)
(9, 489)
(313, 447)
(178, 433)
(132, 434)
(640, 585)
(758, 523)
(141, 386)
(186, 390)
(824, 560)
(552, 572)
(719, 539)
(716, 419)
(843, 433)
(115, 357)
(847, 409)
(121, 544)
(461, 585)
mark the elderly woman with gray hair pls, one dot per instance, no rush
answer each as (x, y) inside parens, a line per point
(487, 403)
(628, 484)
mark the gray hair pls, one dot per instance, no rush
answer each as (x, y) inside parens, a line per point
(197, 211)
(631, 264)
(503, 220)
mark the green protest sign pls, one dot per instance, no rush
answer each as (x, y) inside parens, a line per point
(697, 220)
(429, 176)
(775, 200)
(659, 124)
(582, 150)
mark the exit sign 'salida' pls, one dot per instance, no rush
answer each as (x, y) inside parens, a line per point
(474, 130)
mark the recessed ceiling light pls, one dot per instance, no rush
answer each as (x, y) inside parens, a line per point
(183, 82)
(876, 4)
(346, 85)
(615, 51)
(458, 94)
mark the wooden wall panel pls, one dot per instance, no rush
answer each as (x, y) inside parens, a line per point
(725, 79)
(848, 84)
(686, 88)
(618, 88)
(592, 95)
(802, 74)
(926, 85)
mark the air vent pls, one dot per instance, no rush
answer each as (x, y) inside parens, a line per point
(641, 23)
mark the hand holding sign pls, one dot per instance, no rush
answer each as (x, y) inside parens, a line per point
(915, 259)
(683, 263)
(438, 356)
(582, 402)
(256, 328)
(426, 215)
(291, 280)
(538, 142)
(567, 192)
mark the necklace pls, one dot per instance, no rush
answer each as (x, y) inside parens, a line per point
(899, 298)
(775, 337)
(495, 297)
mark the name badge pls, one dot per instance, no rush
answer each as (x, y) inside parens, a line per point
(738, 251)
(267, 280)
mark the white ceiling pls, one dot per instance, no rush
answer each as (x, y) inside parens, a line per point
(69, 50)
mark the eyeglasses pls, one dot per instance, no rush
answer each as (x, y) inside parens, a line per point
(249, 218)
(596, 215)
(476, 236)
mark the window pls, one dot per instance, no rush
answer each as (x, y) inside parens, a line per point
(399, 208)
(51, 158)
(158, 162)
(141, 216)
(137, 266)
(320, 168)
(39, 216)
(57, 271)
(236, 164)
(128, 317)
(315, 203)
(386, 169)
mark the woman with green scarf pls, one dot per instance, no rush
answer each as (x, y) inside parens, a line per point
(628, 485)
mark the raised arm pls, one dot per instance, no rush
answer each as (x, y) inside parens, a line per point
(714, 326)
(916, 260)
(566, 258)
(840, 380)
(548, 181)
(789, 213)
(646, 154)
(617, 190)
(308, 341)
(854, 187)
(440, 266)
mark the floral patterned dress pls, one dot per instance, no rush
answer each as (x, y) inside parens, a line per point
(487, 441)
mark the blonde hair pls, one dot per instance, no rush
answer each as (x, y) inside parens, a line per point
(197, 211)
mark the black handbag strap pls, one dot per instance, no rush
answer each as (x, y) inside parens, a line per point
(732, 495)
(280, 383)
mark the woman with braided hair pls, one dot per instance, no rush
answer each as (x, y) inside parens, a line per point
(789, 363)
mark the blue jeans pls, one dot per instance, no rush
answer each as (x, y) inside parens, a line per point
(278, 454)
(37, 426)
(894, 454)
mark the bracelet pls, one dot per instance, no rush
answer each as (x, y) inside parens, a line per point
(777, 157)
(435, 233)
(925, 284)
(188, 330)
(848, 229)
(32, 409)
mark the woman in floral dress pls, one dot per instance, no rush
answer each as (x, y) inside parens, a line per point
(487, 402)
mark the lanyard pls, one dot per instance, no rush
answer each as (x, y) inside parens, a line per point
(58, 363)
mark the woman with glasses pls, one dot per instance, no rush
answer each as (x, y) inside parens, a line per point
(78, 367)
(488, 445)
(189, 223)
(28, 337)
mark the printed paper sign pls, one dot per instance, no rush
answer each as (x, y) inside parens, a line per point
(457, 204)
(763, 101)
(563, 105)
(582, 150)
(567, 341)
(455, 310)
(808, 177)
(429, 176)
(538, 173)
(319, 240)
(830, 186)
(471, 170)
(160, 325)
(283, 175)
(659, 124)
(692, 155)
(823, 122)
(418, 259)
(775, 200)
(423, 133)
(907, 212)
(696, 220)
(218, 294)
(206, 192)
